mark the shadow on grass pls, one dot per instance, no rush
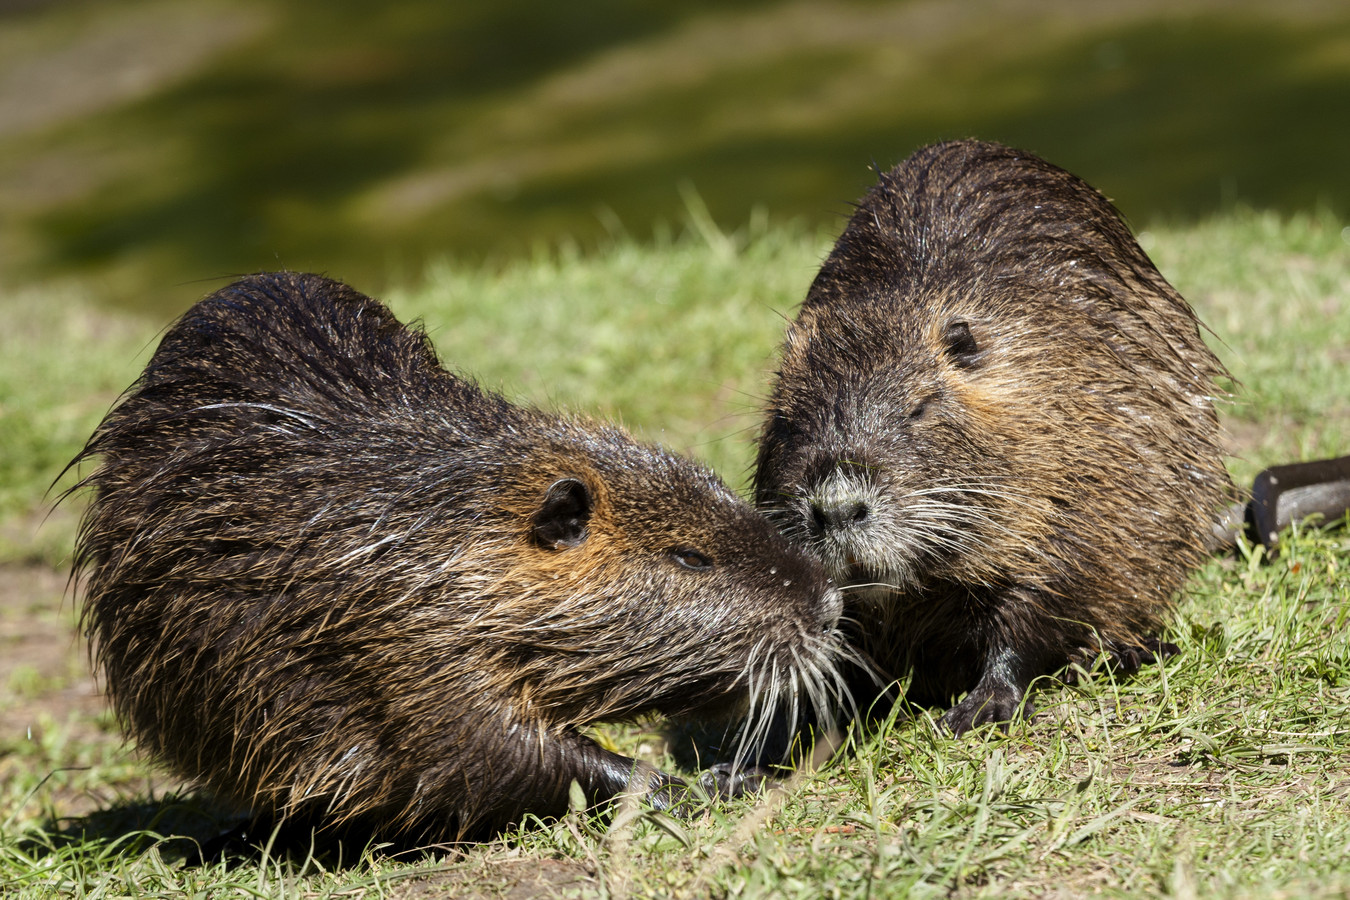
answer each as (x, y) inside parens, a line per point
(182, 828)
(194, 830)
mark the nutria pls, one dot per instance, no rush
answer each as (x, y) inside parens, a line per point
(995, 423)
(331, 582)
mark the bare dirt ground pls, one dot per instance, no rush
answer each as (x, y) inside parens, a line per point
(45, 678)
(517, 879)
(42, 658)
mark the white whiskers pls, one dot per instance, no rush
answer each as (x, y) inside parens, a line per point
(787, 693)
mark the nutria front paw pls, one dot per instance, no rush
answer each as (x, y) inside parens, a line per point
(721, 782)
(671, 795)
(1129, 660)
(985, 708)
(725, 781)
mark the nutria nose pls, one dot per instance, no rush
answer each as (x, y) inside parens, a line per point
(836, 514)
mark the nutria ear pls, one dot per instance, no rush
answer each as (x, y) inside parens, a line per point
(560, 522)
(960, 344)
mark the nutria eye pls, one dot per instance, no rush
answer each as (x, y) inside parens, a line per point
(961, 345)
(691, 559)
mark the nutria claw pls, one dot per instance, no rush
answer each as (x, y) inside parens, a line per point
(999, 696)
(1126, 661)
(728, 780)
(723, 781)
(986, 709)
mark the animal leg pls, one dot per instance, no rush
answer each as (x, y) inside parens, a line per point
(1000, 693)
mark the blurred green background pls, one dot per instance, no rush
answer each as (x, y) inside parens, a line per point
(151, 147)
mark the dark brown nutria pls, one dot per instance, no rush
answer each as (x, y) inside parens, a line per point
(995, 423)
(331, 582)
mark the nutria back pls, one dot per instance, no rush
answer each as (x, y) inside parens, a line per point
(332, 582)
(994, 422)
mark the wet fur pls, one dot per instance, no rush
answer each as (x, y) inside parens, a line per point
(994, 422)
(333, 583)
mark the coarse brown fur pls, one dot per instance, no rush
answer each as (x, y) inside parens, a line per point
(995, 423)
(333, 583)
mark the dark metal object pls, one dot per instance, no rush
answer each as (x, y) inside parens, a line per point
(1282, 495)
(1285, 494)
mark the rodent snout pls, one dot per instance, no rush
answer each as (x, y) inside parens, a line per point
(841, 501)
(836, 514)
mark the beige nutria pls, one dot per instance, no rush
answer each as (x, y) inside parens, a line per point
(995, 424)
(331, 582)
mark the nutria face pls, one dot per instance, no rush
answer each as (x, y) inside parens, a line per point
(704, 606)
(902, 466)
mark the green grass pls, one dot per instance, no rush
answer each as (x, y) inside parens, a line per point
(1274, 293)
(62, 364)
(1223, 773)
